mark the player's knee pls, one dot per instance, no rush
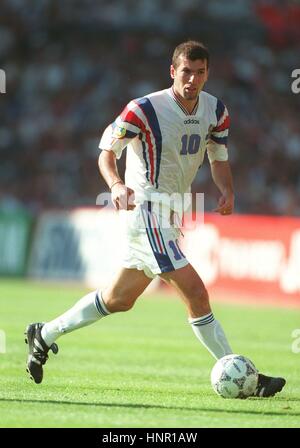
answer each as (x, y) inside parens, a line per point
(124, 306)
(118, 304)
(199, 294)
(198, 302)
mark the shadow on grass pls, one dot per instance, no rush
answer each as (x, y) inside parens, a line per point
(151, 406)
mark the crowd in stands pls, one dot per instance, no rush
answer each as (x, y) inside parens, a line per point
(71, 66)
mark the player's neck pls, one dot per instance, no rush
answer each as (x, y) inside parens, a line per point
(189, 105)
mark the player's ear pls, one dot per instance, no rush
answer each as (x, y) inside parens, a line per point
(207, 74)
(207, 71)
(172, 72)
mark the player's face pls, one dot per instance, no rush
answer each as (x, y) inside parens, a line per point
(189, 77)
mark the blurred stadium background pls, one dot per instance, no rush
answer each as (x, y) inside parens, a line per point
(70, 68)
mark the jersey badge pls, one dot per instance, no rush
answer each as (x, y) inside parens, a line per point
(119, 132)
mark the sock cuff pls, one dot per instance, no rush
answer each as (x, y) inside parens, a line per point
(100, 305)
(203, 320)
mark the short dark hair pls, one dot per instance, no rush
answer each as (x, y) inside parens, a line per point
(191, 50)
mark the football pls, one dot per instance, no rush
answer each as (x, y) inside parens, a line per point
(234, 376)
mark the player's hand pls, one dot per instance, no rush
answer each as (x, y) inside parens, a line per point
(122, 197)
(225, 205)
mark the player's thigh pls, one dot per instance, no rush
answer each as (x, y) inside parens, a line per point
(127, 285)
(188, 283)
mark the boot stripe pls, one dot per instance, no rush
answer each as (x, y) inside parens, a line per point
(37, 344)
(36, 361)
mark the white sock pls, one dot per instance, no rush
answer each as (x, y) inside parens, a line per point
(87, 310)
(211, 334)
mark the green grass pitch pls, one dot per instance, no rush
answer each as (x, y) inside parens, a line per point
(143, 368)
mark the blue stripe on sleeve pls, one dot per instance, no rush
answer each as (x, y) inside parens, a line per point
(149, 111)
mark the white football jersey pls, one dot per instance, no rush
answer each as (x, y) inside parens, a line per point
(165, 144)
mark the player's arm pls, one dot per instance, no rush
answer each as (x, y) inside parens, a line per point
(114, 139)
(218, 157)
(222, 177)
(122, 196)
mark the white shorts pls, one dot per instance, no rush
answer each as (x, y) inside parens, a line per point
(151, 241)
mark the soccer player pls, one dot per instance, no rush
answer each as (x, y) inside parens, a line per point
(166, 134)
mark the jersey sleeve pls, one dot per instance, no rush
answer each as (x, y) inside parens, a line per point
(119, 133)
(217, 138)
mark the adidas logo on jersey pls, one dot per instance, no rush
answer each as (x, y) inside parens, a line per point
(191, 121)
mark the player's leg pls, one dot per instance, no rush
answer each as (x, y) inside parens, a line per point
(128, 285)
(121, 295)
(208, 330)
(194, 294)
